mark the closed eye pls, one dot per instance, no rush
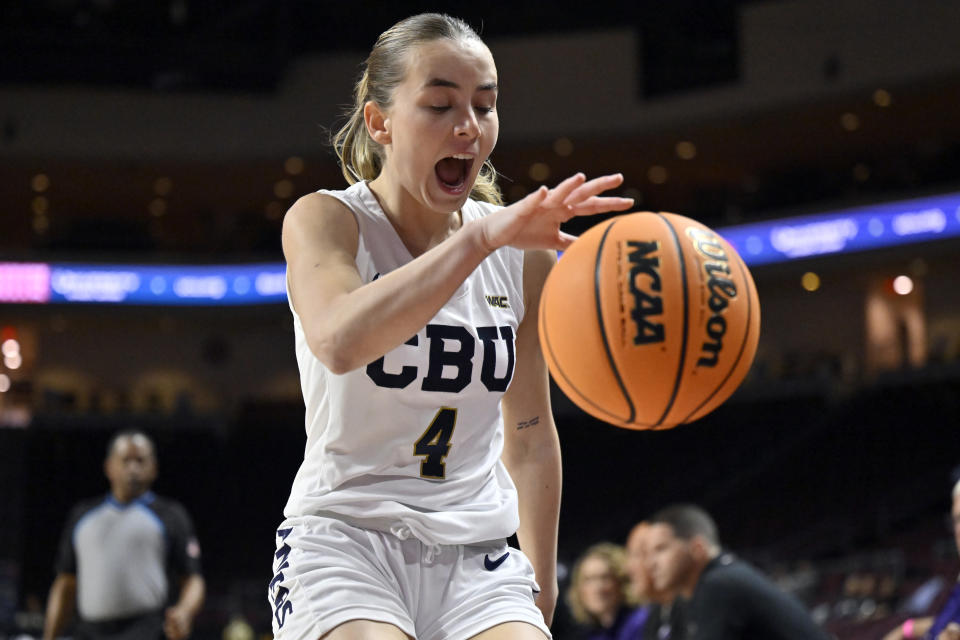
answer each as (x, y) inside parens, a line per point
(439, 108)
(482, 109)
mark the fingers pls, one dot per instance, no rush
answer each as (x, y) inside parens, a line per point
(593, 187)
(595, 204)
(174, 627)
(565, 241)
(560, 193)
(530, 202)
(174, 632)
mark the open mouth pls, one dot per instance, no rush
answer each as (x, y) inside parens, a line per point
(452, 172)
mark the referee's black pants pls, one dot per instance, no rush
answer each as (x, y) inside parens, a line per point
(145, 626)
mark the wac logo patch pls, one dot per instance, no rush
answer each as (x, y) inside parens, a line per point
(498, 302)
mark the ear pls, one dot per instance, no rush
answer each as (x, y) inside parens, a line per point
(152, 474)
(700, 548)
(378, 123)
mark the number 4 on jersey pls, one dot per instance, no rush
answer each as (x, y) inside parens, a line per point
(434, 444)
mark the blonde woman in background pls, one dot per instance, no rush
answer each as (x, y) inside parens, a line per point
(599, 595)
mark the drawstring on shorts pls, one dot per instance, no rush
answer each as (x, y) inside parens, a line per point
(403, 532)
(433, 551)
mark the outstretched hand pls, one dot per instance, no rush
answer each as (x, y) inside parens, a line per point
(534, 222)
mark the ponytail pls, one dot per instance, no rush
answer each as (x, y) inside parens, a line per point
(358, 155)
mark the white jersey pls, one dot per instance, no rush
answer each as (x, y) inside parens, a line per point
(411, 443)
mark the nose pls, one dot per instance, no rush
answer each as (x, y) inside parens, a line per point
(468, 126)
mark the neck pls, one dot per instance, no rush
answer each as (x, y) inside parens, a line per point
(691, 584)
(687, 590)
(125, 498)
(607, 618)
(419, 227)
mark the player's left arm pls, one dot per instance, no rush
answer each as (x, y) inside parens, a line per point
(531, 450)
(184, 560)
(178, 619)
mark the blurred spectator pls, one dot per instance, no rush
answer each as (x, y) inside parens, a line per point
(946, 625)
(859, 598)
(116, 553)
(238, 629)
(801, 581)
(599, 598)
(925, 596)
(665, 612)
(729, 599)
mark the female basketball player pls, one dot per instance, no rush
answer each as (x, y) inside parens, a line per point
(414, 297)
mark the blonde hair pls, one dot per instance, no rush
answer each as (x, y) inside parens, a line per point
(384, 69)
(615, 557)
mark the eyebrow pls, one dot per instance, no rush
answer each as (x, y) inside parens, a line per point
(440, 82)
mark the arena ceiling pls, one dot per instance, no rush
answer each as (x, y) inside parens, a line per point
(246, 44)
(759, 164)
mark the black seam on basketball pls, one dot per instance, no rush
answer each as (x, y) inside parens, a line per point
(686, 319)
(603, 332)
(743, 344)
(553, 356)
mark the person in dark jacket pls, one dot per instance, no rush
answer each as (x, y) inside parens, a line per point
(728, 598)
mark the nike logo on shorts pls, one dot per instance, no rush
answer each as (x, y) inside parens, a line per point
(490, 565)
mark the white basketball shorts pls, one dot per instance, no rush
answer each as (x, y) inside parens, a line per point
(327, 572)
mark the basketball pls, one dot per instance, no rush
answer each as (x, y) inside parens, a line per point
(649, 320)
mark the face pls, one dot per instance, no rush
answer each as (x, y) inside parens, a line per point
(668, 559)
(131, 467)
(636, 563)
(955, 513)
(599, 587)
(442, 124)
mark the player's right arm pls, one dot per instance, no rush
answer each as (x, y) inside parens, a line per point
(60, 605)
(349, 324)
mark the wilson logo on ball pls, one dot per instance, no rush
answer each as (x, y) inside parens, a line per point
(645, 270)
(716, 268)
